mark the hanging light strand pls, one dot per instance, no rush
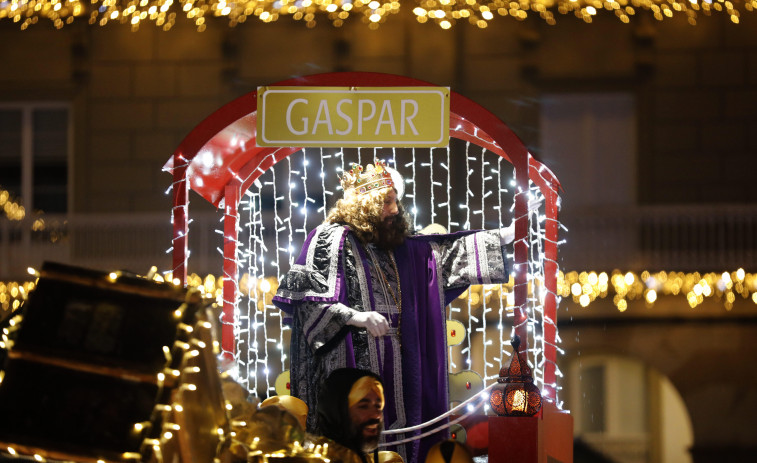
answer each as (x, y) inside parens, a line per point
(444, 13)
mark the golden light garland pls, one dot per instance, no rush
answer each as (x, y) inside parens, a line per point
(583, 288)
(586, 287)
(13, 210)
(445, 13)
(9, 207)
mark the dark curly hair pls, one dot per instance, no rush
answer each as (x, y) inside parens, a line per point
(362, 213)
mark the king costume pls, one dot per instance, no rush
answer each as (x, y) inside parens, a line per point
(337, 275)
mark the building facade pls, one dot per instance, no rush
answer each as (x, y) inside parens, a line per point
(651, 127)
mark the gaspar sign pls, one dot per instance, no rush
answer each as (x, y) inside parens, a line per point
(353, 116)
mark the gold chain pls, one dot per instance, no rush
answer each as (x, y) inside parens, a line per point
(397, 300)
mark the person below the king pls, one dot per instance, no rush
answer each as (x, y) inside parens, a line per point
(350, 411)
(364, 293)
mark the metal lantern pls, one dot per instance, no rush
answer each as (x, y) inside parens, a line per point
(515, 393)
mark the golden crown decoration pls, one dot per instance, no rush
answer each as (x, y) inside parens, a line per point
(375, 177)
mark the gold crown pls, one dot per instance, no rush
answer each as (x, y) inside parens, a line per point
(374, 178)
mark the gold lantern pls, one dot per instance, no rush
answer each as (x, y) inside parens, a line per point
(515, 393)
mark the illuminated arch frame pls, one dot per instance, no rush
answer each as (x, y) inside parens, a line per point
(229, 133)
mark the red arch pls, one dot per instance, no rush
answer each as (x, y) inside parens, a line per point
(230, 133)
(219, 159)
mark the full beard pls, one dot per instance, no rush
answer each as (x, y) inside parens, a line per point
(392, 232)
(367, 443)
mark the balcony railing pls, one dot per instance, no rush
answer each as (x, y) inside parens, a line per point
(683, 238)
(133, 242)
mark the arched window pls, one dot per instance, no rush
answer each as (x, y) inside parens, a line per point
(627, 411)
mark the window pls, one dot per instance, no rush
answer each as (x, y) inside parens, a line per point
(627, 411)
(589, 140)
(35, 143)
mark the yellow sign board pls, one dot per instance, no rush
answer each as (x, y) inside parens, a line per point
(353, 116)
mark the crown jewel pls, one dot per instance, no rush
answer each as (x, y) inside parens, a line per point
(375, 177)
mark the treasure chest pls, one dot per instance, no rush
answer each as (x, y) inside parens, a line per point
(109, 367)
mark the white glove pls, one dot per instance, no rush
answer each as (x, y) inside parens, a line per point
(507, 234)
(534, 203)
(374, 322)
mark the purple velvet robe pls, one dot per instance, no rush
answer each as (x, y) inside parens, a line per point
(333, 277)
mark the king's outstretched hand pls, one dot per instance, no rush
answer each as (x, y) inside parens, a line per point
(507, 234)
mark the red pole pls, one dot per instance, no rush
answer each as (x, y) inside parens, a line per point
(230, 270)
(520, 247)
(550, 302)
(179, 218)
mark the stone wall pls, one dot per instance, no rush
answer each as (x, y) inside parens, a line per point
(705, 352)
(135, 95)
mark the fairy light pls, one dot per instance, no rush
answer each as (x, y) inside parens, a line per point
(323, 208)
(445, 14)
(447, 205)
(244, 324)
(485, 192)
(502, 292)
(277, 224)
(13, 293)
(9, 207)
(263, 287)
(433, 185)
(290, 204)
(536, 281)
(186, 328)
(468, 194)
(253, 251)
(694, 287)
(259, 314)
(414, 194)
